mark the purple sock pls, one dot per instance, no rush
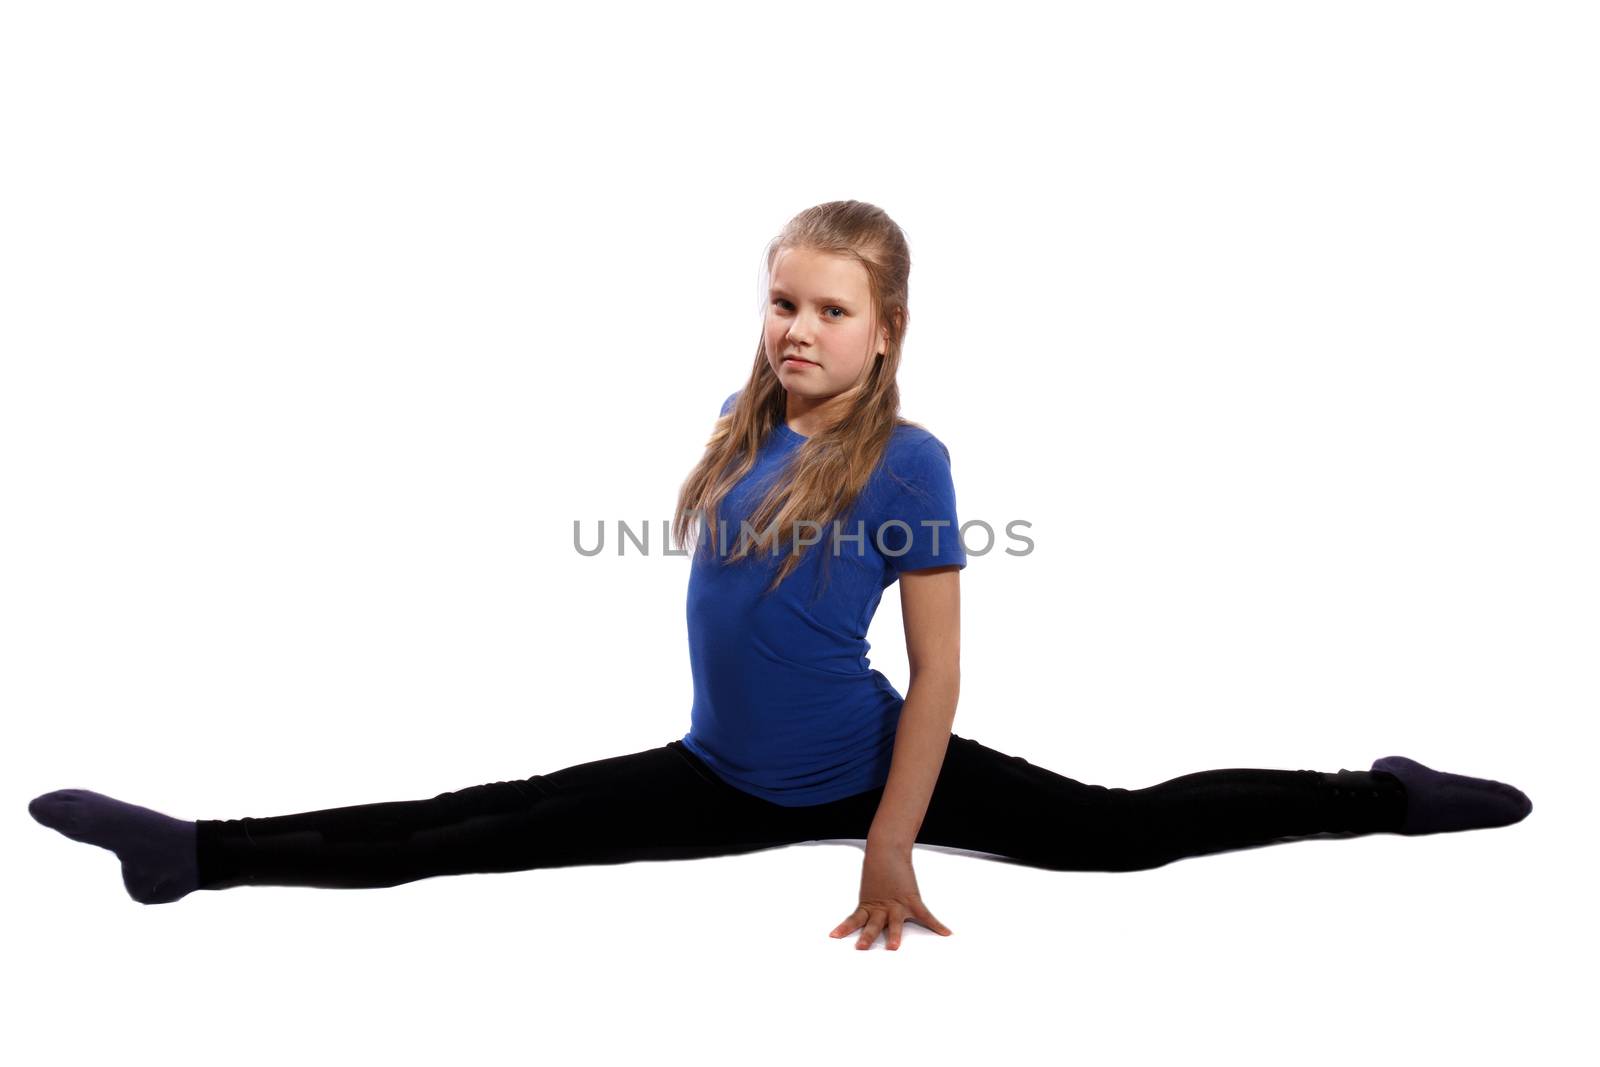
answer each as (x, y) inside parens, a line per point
(1438, 802)
(159, 861)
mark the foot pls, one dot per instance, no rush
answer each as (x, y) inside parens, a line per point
(159, 863)
(1438, 802)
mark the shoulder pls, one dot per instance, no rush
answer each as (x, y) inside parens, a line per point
(915, 457)
(727, 405)
(913, 444)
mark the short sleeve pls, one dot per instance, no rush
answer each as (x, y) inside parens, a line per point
(727, 405)
(918, 528)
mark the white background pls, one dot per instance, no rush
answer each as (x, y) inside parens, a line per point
(322, 322)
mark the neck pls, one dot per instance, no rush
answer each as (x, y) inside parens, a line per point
(809, 417)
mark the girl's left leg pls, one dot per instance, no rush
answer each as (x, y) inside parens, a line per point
(990, 802)
(987, 801)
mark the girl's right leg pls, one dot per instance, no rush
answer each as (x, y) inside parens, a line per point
(657, 804)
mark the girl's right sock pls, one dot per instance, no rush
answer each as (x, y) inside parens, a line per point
(160, 862)
(1439, 802)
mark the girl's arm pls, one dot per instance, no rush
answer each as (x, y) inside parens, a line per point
(931, 607)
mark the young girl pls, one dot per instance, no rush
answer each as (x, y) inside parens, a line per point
(813, 497)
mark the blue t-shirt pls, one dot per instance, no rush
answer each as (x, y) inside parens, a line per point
(786, 705)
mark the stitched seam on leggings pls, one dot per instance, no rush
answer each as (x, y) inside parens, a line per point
(695, 767)
(711, 778)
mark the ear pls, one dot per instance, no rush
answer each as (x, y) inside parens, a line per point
(883, 331)
(883, 340)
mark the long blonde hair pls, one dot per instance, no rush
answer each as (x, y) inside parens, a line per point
(828, 472)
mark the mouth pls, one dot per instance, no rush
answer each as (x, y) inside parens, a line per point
(796, 361)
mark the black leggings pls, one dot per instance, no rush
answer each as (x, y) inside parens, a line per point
(665, 803)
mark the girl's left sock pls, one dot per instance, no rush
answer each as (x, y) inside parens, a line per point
(1440, 802)
(158, 853)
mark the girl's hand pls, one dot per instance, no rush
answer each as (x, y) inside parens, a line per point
(888, 895)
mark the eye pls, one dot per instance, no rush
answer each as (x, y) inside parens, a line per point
(780, 302)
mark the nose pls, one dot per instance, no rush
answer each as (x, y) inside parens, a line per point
(799, 332)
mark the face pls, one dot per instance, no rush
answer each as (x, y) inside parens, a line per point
(817, 312)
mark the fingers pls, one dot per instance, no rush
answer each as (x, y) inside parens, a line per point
(853, 922)
(875, 922)
(925, 917)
